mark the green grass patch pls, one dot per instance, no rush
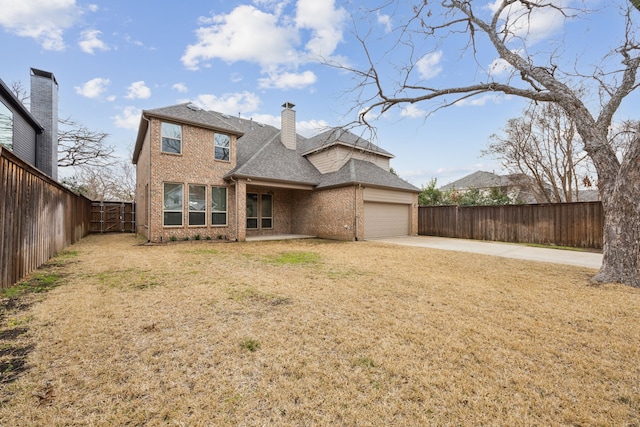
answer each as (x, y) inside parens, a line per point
(41, 281)
(250, 345)
(295, 258)
(129, 278)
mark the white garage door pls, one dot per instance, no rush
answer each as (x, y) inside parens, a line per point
(385, 220)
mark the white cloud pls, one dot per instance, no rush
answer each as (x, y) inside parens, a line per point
(412, 111)
(429, 65)
(479, 101)
(230, 103)
(245, 34)
(311, 127)
(288, 80)
(138, 90)
(499, 67)
(263, 34)
(90, 41)
(306, 128)
(42, 20)
(93, 88)
(534, 25)
(325, 22)
(93, 8)
(384, 20)
(128, 119)
(180, 87)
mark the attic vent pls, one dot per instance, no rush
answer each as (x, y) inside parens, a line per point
(194, 107)
(226, 116)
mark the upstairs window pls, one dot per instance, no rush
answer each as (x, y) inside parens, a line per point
(221, 144)
(197, 204)
(171, 138)
(6, 127)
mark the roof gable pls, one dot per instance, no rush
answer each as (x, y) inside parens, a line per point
(338, 136)
(366, 173)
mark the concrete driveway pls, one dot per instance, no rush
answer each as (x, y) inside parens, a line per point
(507, 250)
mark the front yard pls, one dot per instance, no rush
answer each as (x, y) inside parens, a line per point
(313, 332)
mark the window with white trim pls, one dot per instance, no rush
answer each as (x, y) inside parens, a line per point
(218, 206)
(259, 211)
(172, 204)
(171, 138)
(197, 204)
(221, 146)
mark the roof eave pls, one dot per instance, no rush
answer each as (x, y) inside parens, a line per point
(192, 123)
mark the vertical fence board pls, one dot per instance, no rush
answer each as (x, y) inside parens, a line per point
(566, 224)
(38, 218)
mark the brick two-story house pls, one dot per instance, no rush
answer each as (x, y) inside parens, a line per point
(206, 174)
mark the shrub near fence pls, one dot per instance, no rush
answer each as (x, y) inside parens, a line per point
(38, 218)
(577, 225)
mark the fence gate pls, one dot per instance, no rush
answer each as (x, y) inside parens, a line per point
(113, 217)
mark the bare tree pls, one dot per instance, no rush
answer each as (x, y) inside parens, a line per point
(77, 144)
(80, 146)
(543, 144)
(504, 32)
(115, 182)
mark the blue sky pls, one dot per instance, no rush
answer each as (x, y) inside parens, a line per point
(114, 58)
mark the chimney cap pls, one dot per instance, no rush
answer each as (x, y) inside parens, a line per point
(288, 105)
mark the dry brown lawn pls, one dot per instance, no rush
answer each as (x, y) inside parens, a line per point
(312, 332)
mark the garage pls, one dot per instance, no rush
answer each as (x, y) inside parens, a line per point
(386, 219)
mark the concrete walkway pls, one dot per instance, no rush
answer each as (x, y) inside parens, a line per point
(507, 250)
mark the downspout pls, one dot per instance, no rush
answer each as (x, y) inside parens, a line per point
(149, 181)
(237, 222)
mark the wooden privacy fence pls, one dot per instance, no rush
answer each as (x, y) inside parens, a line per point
(38, 218)
(113, 217)
(577, 225)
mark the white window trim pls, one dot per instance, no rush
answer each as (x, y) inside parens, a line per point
(166, 210)
(216, 146)
(168, 137)
(189, 210)
(226, 212)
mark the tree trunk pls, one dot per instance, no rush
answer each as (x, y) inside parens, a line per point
(621, 250)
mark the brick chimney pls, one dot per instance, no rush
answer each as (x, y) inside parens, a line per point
(288, 126)
(44, 107)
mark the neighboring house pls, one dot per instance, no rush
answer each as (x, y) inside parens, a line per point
(32, 135)
(203, 174)
(517, 186)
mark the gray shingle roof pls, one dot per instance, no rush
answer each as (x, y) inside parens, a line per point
(189, 113)
(479, 179)
(338, 136)
(366, 173)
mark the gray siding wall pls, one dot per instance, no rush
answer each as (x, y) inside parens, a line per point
(24, 133)
(24, 139)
